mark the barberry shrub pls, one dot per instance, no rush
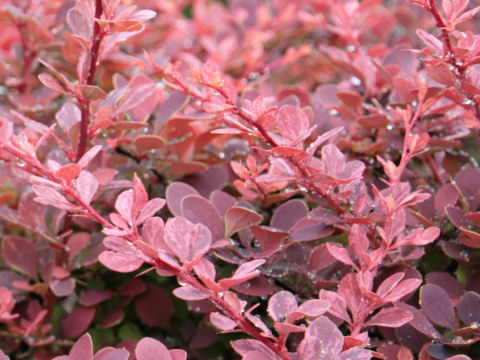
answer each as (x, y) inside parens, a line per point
(249, 179)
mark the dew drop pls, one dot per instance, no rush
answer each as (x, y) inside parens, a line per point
(355, 81)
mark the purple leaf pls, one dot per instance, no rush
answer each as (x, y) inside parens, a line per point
(20, 254)
(468, 308)
(77, 322)
(420, 322)
(390, 317)
(281, 304)
(287, 214)
(187, 241)
(87, 185)
(94, 297)
(154, 306)
(436, 304)
(201, 211)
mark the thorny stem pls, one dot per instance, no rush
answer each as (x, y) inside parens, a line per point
(449, 54)
(85, 103)
(261, 130)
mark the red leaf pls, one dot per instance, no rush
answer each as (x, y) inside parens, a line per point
(87, 186)
(390, 317)
(149, 142)
(77, 322)
(187, 241)
(468, 308)
(281, 304)
(222, 322)
(238, 218)
(151, 349)
(436, 304)
(68, 172)
(154, 307)
(20, 254)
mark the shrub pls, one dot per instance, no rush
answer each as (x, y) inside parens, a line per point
(299, 176)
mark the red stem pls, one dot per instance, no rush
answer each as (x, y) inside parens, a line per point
(85, 103)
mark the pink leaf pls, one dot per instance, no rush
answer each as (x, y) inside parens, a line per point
(89, 156)
(174, 195)
(340, 253)
(238, 218)
(77, 322)
(124, 204)
(292, 123)
(140, 196)
(82, 349)
(124, 258)
(245, 272)
(48, 196)
(187, 241)
(149, 210)
(390, 317)
(323, 341)
(151, 349)
(190, 293)
(87, 185)
(281, 304)
(403, 289)
(6, 130)
(52, 83)
(222, 322)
